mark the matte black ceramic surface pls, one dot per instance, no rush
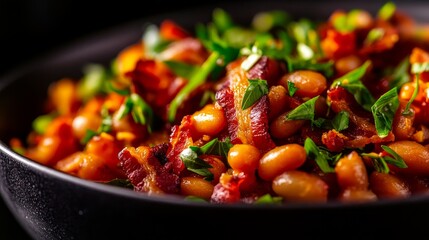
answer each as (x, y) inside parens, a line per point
(52, 205)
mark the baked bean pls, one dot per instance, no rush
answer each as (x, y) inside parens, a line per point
(280, 159)
(415, 155)
(402, 125)
(128, 57)
(86, 166)
(309, 83)
(346, 64)
(386, 185)
(357, 195)
(127, 124)
(57, 143)
(244, 157)
(63, 95)
(283, 128)
(84, 122)
(299, 186)
(278, 100)
(351, 172)
(196, 186)
(106, 148)
(210, 120)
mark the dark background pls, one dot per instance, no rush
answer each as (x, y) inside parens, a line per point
(30, 28)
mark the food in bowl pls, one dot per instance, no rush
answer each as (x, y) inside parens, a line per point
(280, 111)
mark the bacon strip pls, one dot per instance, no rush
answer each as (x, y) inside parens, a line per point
(180, 139)
(250, 125)
(361, 130)
(145, 171)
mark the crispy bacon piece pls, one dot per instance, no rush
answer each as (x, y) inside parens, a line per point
(249, 125)
(267, 69)
(361, 130)
(228, 189)
(145, 171)
(180, 139)
(336, 44)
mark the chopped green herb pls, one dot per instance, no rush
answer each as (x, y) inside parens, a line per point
(265, 21)
(324, 159)
(291, 88)
(181, 69)
(195, 81)
(305, 111)
(268, 199)
(374, 35)
(400, 74)
(386, 11)
(384, 110)
(217, 147)
(141, 112)
(341, 121)
(256, 89)
(42, 122)
(222, 20)
(351, 82)
(395, 160)
(342, 24)
(380, 162)
(92, 82)
(195, 164)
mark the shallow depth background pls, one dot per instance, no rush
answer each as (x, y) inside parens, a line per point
(30, 28)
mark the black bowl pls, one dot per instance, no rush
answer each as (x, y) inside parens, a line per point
(50, 204)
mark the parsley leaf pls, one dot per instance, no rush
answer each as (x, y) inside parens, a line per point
(380, 162)
(351, 82)
(195, 164)
(256, 89)
(341, 121)
(305, 111)
(384, 110)
(324, 159)
(141, 112)
(217, 147)
(291, 88)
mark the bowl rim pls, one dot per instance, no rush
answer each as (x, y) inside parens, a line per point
(170, 199)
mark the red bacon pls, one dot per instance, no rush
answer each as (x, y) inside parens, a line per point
(145, 171)
(250, 125)
(180, 139)
(361, 130)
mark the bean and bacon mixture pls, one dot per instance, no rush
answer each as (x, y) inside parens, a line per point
(282, 110)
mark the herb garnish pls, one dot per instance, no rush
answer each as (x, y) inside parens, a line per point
(324, 158)
(291, 88)
(380, 161)
(384, 110)
(256, 89)
(351, 82)
(305, 111)
(195, 164)
(141, 112)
